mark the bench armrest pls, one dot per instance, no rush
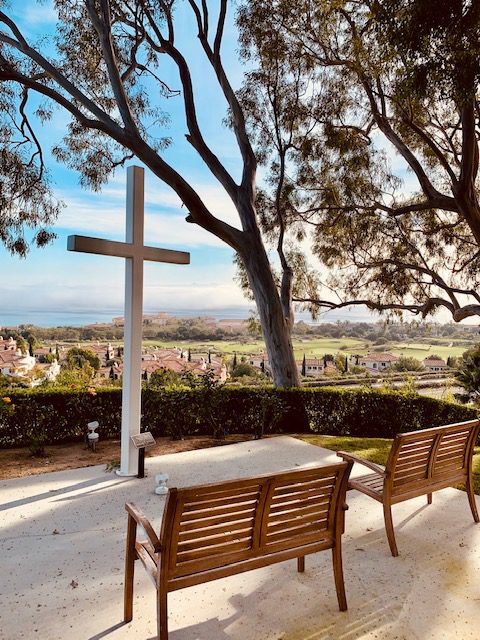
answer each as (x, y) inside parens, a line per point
(142, 520)
(349, 457)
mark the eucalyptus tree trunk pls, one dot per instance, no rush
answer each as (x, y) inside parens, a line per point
(275, 320)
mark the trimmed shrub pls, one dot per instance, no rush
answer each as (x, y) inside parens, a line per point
(59, 416)
(62, 416)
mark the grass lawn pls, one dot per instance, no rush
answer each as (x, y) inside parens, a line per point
(312, 347)
(375, 450)
(421, 351)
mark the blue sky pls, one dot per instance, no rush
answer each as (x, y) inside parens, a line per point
(54, 279)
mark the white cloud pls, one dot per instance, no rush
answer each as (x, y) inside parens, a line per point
(36, 14)
(104, 213)
(95, 283)
(110, 222)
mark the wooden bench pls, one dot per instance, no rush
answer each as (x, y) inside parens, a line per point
(217, 530)
(419, 463)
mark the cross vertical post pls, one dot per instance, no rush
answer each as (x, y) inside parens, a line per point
(134, 252)
(132, 354)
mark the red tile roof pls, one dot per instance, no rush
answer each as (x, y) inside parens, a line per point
(380, 357)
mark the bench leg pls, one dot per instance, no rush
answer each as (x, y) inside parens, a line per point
(301, 564)
(130, 555)
(338, 575)
(471, 498)
(162, 615)
(387, 513)
(429, 498)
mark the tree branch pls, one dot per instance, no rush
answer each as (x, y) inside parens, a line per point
(239, 126)
(195, 136)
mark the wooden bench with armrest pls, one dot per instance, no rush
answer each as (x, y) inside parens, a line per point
(419, 463)
(217, 530)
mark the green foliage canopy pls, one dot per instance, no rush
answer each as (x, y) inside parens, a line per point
(365, 77)
(468, 373)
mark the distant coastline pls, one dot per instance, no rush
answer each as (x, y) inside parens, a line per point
(80, 318)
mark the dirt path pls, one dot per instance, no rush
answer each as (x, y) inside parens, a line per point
(19, 462)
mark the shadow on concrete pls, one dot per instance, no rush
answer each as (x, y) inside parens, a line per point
(428, 592)
(55, 492)
(107, 632)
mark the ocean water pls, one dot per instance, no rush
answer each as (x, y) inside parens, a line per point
(78, 318)
(46, 318)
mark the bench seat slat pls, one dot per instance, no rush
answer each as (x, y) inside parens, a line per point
(212, 541)
(277, 507)
(412, 461)
(452, 445)
(300, 495)
(410, 475)
(300, 508)
(211, 562)
(445, 455)
(372, 480)
(200, 495)
(278, 523)
(298, 490)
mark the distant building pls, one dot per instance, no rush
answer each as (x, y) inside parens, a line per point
(110, 352)
(50, 371)
(260, 361)
(313, 366)
(8, 345)
(378, 361)
(435, 364)
(170, 360)
(15, 363)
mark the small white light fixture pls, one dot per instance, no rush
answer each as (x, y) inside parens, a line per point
(161, 481)
(92, 437)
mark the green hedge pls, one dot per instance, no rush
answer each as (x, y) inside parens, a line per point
(62, 416)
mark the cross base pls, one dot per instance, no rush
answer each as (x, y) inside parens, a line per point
(123, 474)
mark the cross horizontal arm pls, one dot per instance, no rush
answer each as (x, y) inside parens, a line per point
(85, 244)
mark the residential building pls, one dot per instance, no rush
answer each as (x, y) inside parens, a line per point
(378, 361)
(313, 366)
(15, 363)
(260, 361)
(435, 364)
(8, 345)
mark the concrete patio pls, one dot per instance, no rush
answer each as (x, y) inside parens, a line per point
(62, 550)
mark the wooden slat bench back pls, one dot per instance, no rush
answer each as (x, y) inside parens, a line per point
(419, 463)
(217, 530)
(424, 461)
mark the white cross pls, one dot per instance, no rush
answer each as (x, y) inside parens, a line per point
(134, 252)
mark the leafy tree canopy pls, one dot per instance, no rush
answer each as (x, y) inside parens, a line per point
(407, 364)
(77, 358)
(468, 373)
(354, 81)
(107, 69)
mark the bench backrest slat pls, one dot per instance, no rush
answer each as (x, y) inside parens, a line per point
(295, 510)
(418, 459)
(213, 526)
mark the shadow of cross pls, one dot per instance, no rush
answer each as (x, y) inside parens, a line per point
(135, 253)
